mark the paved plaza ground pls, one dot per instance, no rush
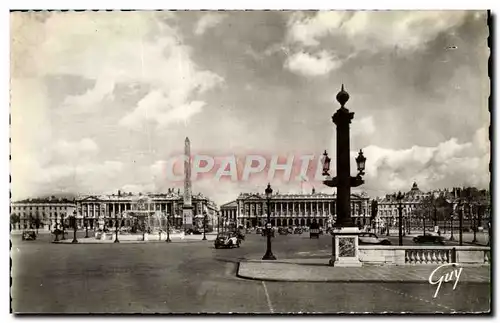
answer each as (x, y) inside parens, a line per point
(197, 278)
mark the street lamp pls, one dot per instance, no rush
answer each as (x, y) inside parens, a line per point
(474, 222)
(168, 230)
(204, 225)
(56, 230)
(326, 164)
(269, 254)
(361, 161)
(74, 228)
(452, 217)
(460, 222)
(387, 224)
(116, 229)
(399, 197)
(62, 226)
(86, 223)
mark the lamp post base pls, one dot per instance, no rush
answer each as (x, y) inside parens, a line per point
(345, 251)
(74, 241)
(116, 241)
(168, 240)
(269, 256)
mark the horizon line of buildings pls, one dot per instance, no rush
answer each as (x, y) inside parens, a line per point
(248, 209)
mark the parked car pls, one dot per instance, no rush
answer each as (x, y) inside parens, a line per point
(290, 230)
(227, 240)
(240, 234)
(259, 231)
(298, 230)
(314, 230)
(313, 233)
(283, 231)
(193, 231)
(264, 232)
(371, 238)
(429, 239)
(29, 235)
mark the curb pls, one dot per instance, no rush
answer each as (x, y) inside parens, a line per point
(354, 280)
(367, 281)
(130, 242)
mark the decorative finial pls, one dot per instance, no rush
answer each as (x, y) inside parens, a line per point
(342, 96)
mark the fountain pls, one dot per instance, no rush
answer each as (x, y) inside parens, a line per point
(141, 223)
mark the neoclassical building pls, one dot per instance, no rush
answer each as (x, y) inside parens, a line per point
(109, 207)
(106, 208)
(388, 206)
(47, 211)
(250, 209)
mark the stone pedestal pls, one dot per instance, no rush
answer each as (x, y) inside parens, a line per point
(103, 236)
(346, 247)
(146, 238)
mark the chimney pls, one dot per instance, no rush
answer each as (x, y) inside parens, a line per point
(313, 191)
(119, 193)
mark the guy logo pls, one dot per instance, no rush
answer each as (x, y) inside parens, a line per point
(452, 275)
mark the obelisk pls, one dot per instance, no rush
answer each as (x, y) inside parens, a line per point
(187, 208)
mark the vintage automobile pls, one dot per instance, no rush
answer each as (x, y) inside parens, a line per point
(259, 231)
(314, 233)
(194, 231)
(29, 235)
(366, 238)
(298, 230)
(314, 230)
(227, 240)
(429, 239)
(283, 231)
(264, 232)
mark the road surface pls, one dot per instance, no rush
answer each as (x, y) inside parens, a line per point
(197, 278)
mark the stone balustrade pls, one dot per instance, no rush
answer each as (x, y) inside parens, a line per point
(424, 255)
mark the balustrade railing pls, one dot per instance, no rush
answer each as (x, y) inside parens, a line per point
(429, 256)
(487, 256)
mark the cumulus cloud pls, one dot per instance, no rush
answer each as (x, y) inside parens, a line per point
(207, 21)
(91, 99)
(66, 167)
(407, 30)
(307, 64)
(448, 164)
(112, 48)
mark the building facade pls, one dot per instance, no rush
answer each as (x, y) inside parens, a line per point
(46, 211)
(250, 209)
(94, 210)
(388, 211)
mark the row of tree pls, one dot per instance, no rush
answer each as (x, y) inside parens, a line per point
(470, 203)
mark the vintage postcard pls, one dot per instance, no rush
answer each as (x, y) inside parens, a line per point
(250, 162)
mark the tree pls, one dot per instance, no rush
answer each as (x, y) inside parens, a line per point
(14, 219)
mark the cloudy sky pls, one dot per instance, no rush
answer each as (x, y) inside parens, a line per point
(99, 101)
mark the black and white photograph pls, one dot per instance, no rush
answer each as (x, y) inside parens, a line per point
(250, 162)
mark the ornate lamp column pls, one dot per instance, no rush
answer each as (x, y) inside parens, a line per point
(269, 254)
(345, 234)
(168, 230)
(116, 229)
(74, 228)
(204, 226)
(399, 197)
(62, 226)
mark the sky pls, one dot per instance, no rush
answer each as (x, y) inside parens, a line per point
(100, 101)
